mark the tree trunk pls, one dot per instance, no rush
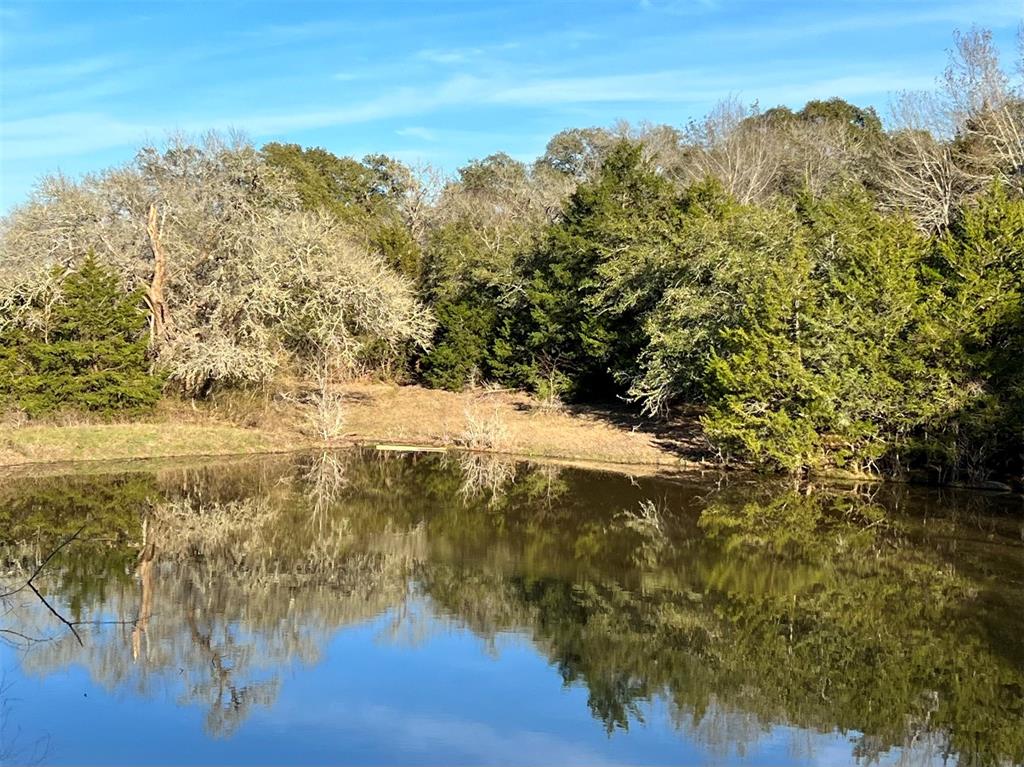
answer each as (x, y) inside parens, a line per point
(145, 572)
(158, 316)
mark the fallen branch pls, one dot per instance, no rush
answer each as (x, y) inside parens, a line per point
(57, 615)
(29, 584)
(44, 563)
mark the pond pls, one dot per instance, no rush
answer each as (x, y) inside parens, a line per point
(378, 608)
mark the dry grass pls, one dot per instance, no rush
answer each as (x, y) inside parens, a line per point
(487, 420)
(175, 429)
(411, 414)
(485, 429)
(48, 443)
(325, 415)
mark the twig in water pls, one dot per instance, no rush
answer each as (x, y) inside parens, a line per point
(43, 564)
(56, 614)
(30, 585)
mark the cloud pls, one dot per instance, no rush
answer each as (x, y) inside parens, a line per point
(679, 7)
(410, 732)
(30, 79)
(65, 133)
(787, 28)
(69, 133)
(284, 34)
(415, 132)
(657, 86)
(453, 56)
(697, 86)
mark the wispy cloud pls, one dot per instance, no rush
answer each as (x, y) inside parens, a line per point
(30, 79)
(679, 7)
(82, 84)
(285, 34)
(807, 27)
(69, 132)
(473, 741)
(416, 132)
(454, 56)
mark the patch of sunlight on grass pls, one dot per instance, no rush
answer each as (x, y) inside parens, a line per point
(31, 444)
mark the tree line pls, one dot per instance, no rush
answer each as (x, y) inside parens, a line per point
(831, 291)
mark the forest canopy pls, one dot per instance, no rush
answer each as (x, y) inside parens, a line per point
(828, 288)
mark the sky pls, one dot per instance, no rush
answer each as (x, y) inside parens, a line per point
(84, 84)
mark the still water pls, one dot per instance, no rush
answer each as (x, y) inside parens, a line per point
(373, 608)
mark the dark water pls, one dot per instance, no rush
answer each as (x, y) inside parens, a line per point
(372, 608)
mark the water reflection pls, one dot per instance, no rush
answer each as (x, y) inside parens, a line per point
(721, 617)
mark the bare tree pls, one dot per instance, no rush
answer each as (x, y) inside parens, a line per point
(739, 152)
(951, 143)
(920, 175)
(240, 282)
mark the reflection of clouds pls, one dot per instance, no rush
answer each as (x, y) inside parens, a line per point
(837, 751)
(648, 613)
(460, 740)
(216, 640)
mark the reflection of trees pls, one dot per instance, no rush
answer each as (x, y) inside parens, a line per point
(741, 608)
(485, 475)
(809, 609)
(219, 638)
(231, 586)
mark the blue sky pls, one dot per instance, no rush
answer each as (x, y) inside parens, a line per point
(85, 83)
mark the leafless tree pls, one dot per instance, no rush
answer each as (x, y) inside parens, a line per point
(952, 142)
(727, 145)
(239, 281)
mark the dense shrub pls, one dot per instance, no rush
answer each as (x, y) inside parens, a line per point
(89, 355)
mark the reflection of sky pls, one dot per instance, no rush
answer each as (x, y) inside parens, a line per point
(444, 699)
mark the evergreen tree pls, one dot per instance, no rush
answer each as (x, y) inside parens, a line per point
(576, 328)
(91, 354)
(763, 400)
(981, 260)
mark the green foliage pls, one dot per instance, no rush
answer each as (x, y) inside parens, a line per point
(725, 253)
(816, 330)
(459, 356)
(472, 270)
(981, 259)
(624, 219)
(364, 195)
(90, 355)
(839, 356)
(840, 112)
(879, 342)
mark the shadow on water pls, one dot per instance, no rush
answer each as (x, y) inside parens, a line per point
(888, 620)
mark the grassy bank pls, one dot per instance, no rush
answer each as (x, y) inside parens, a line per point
(92, 442)
(498, 421)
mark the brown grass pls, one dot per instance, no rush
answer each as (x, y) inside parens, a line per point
(411, 414)
(91, 442)
(484, 420)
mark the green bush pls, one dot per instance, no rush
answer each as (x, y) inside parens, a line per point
(89, 355)
(589, 281)
(460, 351)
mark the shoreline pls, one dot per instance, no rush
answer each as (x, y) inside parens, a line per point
(409, 418)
